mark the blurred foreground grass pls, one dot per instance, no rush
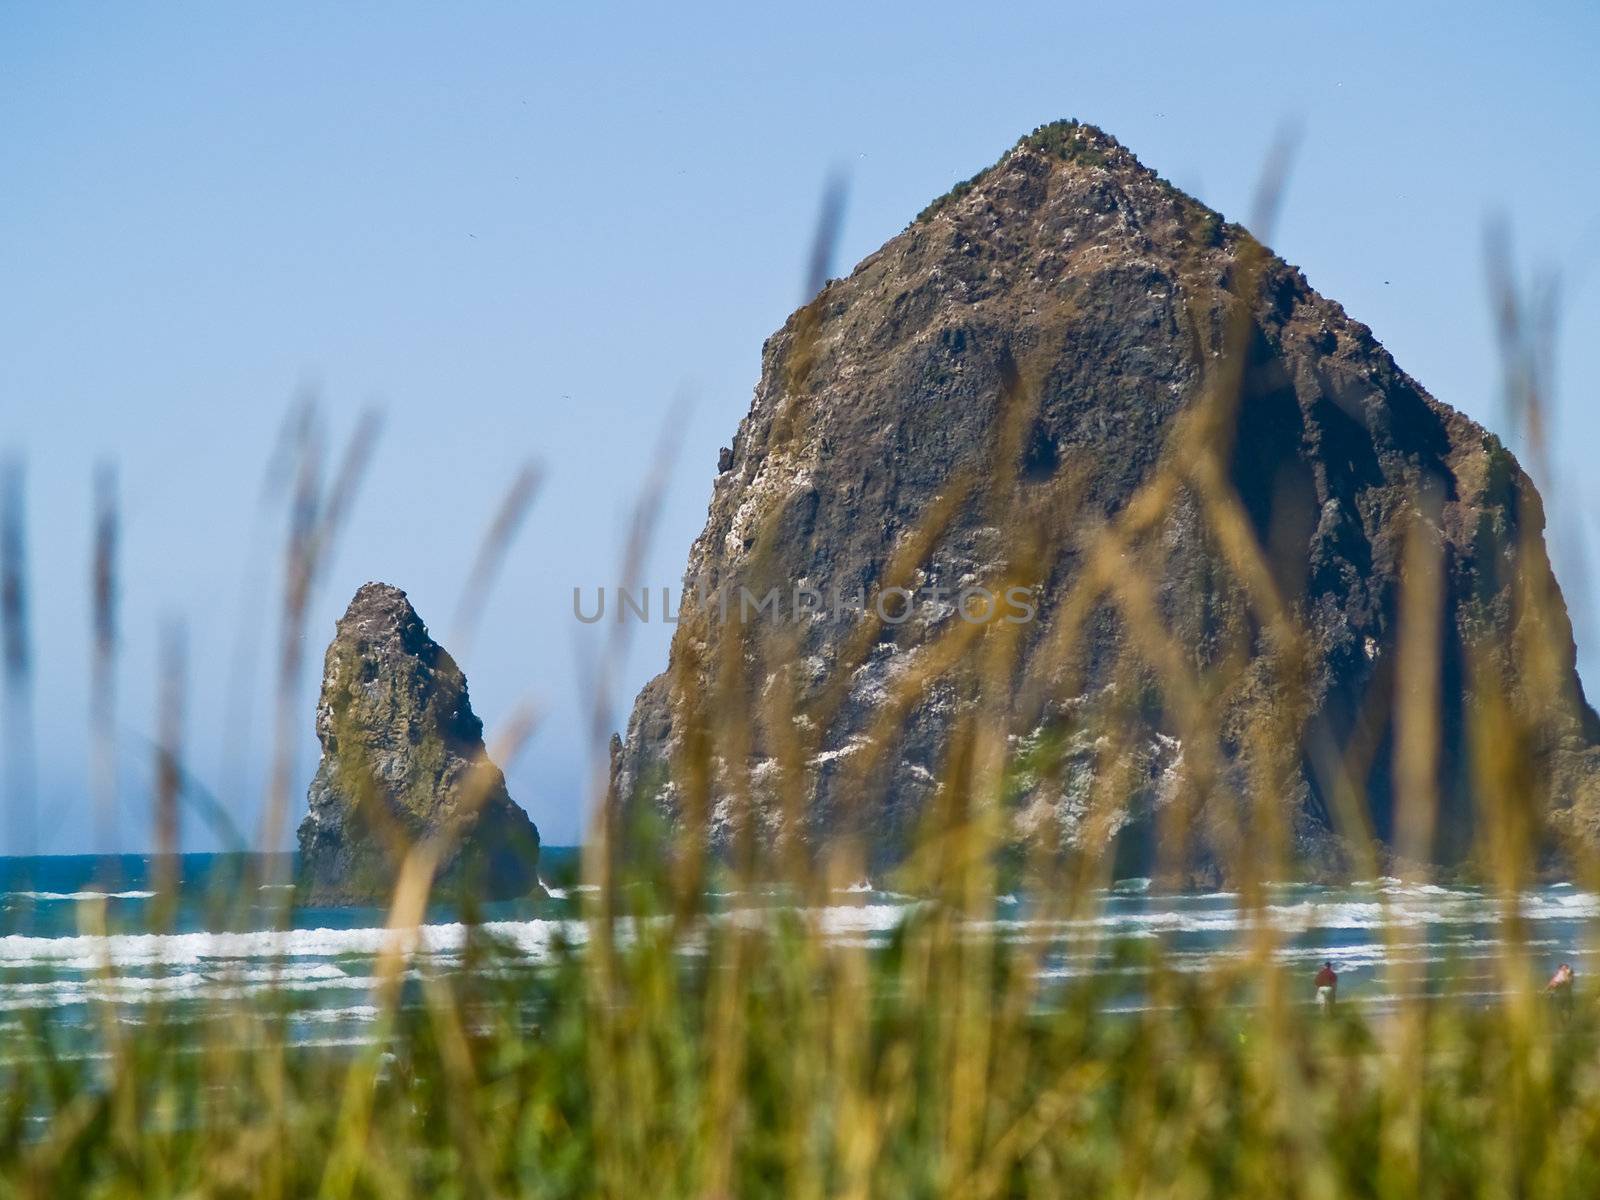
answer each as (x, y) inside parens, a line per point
(774, 1061)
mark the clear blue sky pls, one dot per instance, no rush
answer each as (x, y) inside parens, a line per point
(524, 229)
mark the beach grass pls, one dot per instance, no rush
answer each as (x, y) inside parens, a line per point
(778, 1062)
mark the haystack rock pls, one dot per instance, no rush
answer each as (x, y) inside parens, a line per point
(1073, 281)
(403, 759)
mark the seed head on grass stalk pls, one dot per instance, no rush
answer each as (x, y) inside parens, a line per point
(16, 661)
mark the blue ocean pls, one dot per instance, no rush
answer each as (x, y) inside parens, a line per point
(76, 932)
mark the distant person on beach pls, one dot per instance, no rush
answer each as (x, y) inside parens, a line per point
(1327, 986)
(1559, 989)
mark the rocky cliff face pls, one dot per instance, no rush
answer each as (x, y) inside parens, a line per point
(403, 759)
(987, 394)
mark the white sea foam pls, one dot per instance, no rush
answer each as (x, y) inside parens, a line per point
(1312, 915)
(841, 922)
(839, 919)
(354, 1012)
(86, 895)
(123, 988)
(280, 972)
(86, 952)
(1423, 924)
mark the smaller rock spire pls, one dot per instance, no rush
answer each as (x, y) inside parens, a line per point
(403, 759)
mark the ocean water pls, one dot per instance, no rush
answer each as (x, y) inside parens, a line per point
(74, 932)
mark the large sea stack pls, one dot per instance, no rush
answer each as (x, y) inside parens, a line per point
(992, 396)
(403, 759)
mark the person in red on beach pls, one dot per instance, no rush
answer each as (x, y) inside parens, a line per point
(1559, 988)
(1327, 985)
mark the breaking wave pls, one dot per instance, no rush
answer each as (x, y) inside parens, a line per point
(86, 895)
